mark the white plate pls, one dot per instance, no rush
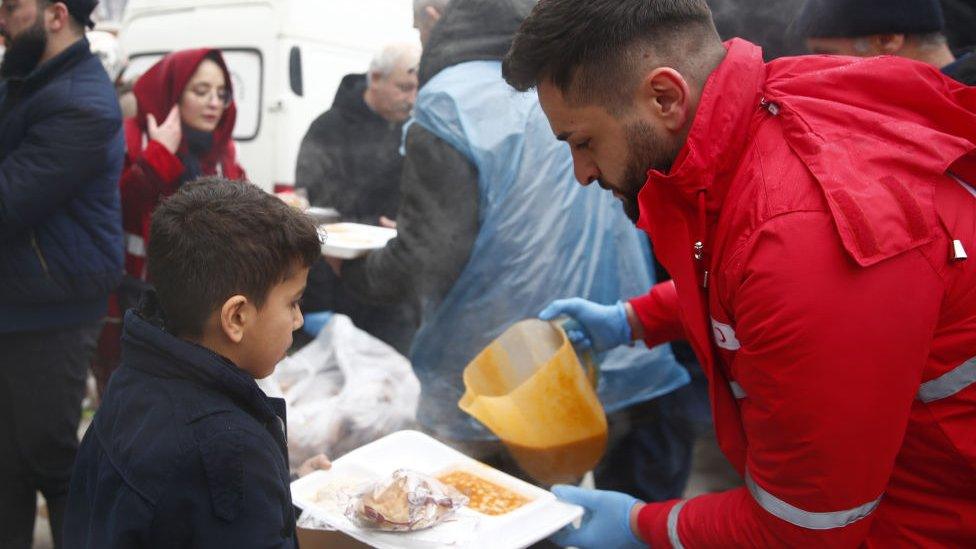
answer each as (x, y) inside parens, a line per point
(353, 240)
(533, 522)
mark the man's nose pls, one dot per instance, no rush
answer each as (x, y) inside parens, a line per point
(585, 169)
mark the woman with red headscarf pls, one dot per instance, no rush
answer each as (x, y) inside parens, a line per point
(182, 132)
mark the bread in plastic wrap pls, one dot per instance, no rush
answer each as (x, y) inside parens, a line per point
(406, 502)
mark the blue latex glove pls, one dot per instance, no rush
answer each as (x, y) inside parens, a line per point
(605, 524)
(604, 327)
(316, 322)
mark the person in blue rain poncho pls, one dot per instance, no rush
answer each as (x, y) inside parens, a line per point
(492, 228)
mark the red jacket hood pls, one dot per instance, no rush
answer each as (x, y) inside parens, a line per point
(881, 111)
(161, 87)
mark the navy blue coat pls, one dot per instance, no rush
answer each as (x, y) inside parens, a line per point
(185, 451)
(61, 154)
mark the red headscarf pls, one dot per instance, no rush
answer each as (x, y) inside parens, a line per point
(162, 86)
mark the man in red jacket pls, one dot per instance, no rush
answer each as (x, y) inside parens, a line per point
(816, 214)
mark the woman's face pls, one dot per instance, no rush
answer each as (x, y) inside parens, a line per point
(205, 98)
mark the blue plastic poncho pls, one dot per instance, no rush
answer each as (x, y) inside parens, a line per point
(542, 237)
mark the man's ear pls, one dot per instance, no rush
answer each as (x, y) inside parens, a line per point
(433, 14)
(665, 95)
(235, 314)
(57, 16)
(888, 44)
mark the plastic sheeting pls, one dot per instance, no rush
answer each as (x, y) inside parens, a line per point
(343, 390)
(542, 237)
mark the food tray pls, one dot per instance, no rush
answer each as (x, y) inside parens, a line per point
(353, 240)
(536, 520)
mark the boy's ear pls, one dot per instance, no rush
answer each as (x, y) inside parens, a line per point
(234, 316)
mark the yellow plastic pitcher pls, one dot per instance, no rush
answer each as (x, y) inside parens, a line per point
(529, 388)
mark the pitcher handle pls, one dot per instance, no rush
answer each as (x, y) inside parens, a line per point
(587, 360)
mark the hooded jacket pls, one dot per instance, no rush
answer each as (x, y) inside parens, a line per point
(350, 158)
(185, 451)
(60, 224)
(480, 148)
(151, 172)
(832, 311)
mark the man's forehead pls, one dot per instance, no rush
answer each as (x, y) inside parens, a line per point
(555, 106)
(565, 116)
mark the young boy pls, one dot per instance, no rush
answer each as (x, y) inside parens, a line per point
(186, 450)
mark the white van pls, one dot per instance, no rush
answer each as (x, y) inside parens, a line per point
(286, 59)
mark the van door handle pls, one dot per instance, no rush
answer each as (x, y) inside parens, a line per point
(276, 106)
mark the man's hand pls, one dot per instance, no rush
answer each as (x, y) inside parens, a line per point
(387, 223)
(604, 327)
(170, 133)
(317, 463)
(607, 521)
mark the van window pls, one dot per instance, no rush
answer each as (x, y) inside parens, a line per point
(295, 71)
(247, 75)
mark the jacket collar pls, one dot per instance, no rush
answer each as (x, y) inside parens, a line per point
(47, 71)
(729, 100)
(350, 101)
(963, 69)
(472, 30)
(147, 347)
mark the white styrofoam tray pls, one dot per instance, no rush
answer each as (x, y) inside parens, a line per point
(535, 521)
(353, 240)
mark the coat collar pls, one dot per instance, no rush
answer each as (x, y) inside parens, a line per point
(729, 100)
(147, 347)
(50, 69)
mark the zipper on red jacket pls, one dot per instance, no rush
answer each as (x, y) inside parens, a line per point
(699, 247)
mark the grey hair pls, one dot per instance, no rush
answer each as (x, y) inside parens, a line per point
(420, 5)
(392, 56)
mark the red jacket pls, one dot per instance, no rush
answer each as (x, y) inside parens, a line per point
(838, 329)
(151, 172)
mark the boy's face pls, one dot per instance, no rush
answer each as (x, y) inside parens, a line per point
(268, 336)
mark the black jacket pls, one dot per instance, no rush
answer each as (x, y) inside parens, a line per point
(61, 152)
(350, 158)
(185, 451)
(964, 68)
(438, 219)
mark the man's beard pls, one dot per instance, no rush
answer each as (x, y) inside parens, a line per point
(24, 52)
(645, 150)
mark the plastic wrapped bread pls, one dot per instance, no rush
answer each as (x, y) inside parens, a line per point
(406, 502)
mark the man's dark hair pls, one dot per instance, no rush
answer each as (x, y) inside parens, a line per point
(76, 20)
(215, 239)
(592, 50)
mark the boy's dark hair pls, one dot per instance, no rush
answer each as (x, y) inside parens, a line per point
(591, 50)
(215, 239)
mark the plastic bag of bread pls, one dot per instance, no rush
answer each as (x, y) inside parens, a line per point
(406, 502)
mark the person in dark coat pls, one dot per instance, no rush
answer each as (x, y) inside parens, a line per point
(350, 160)
(61, 247)
(186, 450)
(864, 28)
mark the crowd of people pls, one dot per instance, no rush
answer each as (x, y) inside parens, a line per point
(798, 281)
